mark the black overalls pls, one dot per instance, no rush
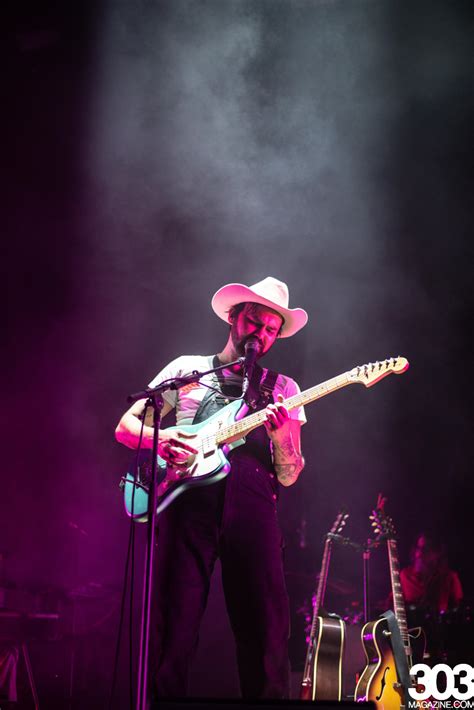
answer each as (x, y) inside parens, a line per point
(234, 519)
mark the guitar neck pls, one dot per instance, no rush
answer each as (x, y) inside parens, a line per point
(398, 601)
(321, 589)
(243, 426)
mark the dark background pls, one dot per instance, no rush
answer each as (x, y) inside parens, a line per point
(154, 151)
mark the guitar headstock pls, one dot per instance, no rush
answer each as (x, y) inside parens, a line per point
(339, 522)
(371, 373)
(382, 523)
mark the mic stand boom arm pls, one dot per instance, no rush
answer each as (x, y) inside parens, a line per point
(177, 382)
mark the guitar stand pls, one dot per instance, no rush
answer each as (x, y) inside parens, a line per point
(29, 671)
(12, 655)
(366, 581)
(366, 549)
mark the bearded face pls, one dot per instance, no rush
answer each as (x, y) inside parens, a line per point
(256, 321)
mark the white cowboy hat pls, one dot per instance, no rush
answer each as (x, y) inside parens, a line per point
(271, 293)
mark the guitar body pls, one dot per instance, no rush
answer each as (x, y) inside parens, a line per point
(326, 673)
(379, 680)
(209, 465)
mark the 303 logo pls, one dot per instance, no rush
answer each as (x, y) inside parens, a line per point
(459, 682)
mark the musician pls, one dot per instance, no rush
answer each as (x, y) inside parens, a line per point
(233, 519)
(429, 582)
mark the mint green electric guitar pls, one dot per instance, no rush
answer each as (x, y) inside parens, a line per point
(224, 431)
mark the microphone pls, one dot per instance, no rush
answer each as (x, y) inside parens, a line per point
(252, 349)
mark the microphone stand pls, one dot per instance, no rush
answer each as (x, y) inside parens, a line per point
(157, 402)
(154, 397)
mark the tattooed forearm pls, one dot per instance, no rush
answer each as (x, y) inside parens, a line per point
(287, 461)
(287, 448)
(288, 473)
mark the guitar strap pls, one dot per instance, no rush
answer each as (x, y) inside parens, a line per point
(398, 648)
(260, 388)
(258, 396)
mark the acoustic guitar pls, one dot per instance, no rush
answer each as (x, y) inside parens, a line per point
(322, 674)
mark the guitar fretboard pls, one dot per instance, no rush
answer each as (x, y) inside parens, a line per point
(398, 600)
(243, 426)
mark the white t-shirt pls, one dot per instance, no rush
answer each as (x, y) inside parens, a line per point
(186, 400)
